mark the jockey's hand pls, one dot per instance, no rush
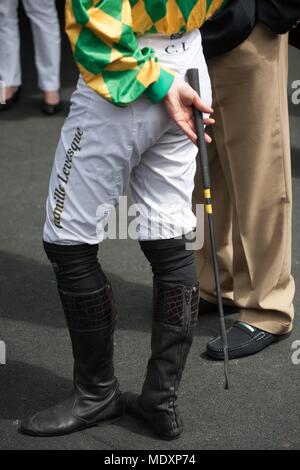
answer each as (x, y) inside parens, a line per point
(179, 103)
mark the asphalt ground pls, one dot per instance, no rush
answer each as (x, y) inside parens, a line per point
(260, 411)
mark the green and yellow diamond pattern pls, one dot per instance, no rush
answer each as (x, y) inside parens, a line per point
(103, 37)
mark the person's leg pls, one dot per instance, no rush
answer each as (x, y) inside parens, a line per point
(46, 34)
(250, 85)
(175, 312)
(87, 300)
(89, 173)
(10, 67)
(272, 308)
(162, 186)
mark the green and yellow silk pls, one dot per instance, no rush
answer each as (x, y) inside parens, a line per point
(104, 33)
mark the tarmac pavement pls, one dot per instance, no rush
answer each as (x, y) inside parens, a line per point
(260, 411)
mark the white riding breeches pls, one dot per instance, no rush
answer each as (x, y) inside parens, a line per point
(104, 149)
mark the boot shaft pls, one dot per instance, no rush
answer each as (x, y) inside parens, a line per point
(91, 320)
(89, 312)
(175, 305)
(174, 319)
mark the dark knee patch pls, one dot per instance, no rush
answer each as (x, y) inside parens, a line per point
(171, 261)
(76, 267)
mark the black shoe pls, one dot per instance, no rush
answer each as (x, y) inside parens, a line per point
(11, 101)
(96, 398)
(208, 307)
(51, 109)
(243, 340)
(175, 316)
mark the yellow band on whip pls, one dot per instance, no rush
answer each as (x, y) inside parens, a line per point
(207, 193)
(209, 209)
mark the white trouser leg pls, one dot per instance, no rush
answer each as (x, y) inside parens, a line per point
(102, 148)
(10, 67)
(163, 182)
(46, 35)
(92, 167)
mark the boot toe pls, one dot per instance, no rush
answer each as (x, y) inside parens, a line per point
(35, 426)
(54, 421)
(27, 426)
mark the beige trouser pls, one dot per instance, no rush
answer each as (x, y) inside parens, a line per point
(251, 181)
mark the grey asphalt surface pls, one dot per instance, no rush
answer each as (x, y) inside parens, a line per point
(260, 411)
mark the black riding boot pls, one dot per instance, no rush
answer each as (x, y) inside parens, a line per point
(96, 397)
(175, 316)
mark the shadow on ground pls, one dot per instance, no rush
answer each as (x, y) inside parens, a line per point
(31, 296)
(29, 388)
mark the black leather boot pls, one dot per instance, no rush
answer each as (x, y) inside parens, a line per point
(175, 316)
(96, 397)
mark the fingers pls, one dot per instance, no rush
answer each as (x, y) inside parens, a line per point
(188, 130)
(179, 104)
(209, 122)
(208, 139)
(192, 135)
(188, 127)
(192, 125)
(200, 105)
